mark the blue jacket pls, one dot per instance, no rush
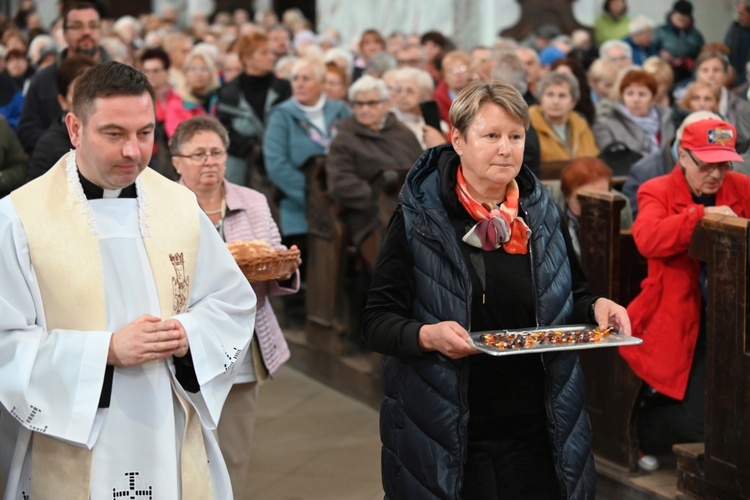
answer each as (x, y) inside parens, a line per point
(640, 53)
(287, 145)
(425, 414)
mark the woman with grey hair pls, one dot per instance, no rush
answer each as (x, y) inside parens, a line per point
(412, 86)
(617, 52)
(373, 148)
(459, 255)
(641, 34)
(199, 154)
(563, 133)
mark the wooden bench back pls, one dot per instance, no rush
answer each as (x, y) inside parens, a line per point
(326, 242)
(614, 269)
(722, 242)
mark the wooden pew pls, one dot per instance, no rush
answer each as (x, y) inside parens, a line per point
(614, 269)
(326, 299)
(720, 467)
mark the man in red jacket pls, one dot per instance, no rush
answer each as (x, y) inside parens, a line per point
(669, 313)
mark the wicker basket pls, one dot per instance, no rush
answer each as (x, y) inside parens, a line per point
(273, 266)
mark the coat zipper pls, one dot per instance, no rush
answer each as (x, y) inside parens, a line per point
(547, 402)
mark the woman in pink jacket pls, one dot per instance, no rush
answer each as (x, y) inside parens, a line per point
(197, 94)
(199, 153)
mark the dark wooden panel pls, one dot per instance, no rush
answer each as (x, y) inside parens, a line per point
(535, 13)
(724, 470)
(612, 389)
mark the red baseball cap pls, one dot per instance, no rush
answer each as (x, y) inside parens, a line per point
(711, 141)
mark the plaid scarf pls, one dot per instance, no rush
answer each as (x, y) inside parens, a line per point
(497, 226)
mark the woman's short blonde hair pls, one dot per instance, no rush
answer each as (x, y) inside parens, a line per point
(659, 69)
(208, 58)
(684, 103)
(602, 69)
(475, 95)
(317, 65)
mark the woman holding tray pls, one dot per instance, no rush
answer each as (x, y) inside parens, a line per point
(477, 243)
(199, 153)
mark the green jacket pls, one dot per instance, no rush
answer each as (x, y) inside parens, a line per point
(607, 28)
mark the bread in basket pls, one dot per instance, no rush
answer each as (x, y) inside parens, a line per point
(260, 262)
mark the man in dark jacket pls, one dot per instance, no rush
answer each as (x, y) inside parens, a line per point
(738, 39)
(41, 108)
(55, 141)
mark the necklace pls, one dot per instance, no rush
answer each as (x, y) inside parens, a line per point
(220, 210)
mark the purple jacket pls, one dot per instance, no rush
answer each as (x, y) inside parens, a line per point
(249, 218)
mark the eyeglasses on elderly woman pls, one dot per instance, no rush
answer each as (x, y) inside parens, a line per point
(202, 156)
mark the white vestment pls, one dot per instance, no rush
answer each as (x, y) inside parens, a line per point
(137, 440)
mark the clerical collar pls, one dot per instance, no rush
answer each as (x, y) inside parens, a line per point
(94, 192)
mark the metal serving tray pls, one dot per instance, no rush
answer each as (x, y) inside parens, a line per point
(614, 339)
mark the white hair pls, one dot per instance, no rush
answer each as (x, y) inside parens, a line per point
(420, 77)
(367, 83)
(340, 53)
(209, 49)
(319, 69)
(610, 44)
(641, 23)
(127, 21)
(37, 45)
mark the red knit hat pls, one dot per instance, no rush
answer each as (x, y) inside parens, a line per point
(711, 141)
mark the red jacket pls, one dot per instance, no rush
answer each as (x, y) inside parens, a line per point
(666, 314)
(443, 98)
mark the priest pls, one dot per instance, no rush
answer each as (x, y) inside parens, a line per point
(122, 317)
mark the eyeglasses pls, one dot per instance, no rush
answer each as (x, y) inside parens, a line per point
(81, 26)
(457, 70)
(707, 168)
(362, 104)
(202, 156)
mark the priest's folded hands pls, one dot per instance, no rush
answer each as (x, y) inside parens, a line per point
(146, 339)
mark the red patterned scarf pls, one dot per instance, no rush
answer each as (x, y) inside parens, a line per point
(497, 226)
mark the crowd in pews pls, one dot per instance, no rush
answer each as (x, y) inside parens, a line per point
(326, 129)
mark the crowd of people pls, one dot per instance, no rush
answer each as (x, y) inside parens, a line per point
(241, 106)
